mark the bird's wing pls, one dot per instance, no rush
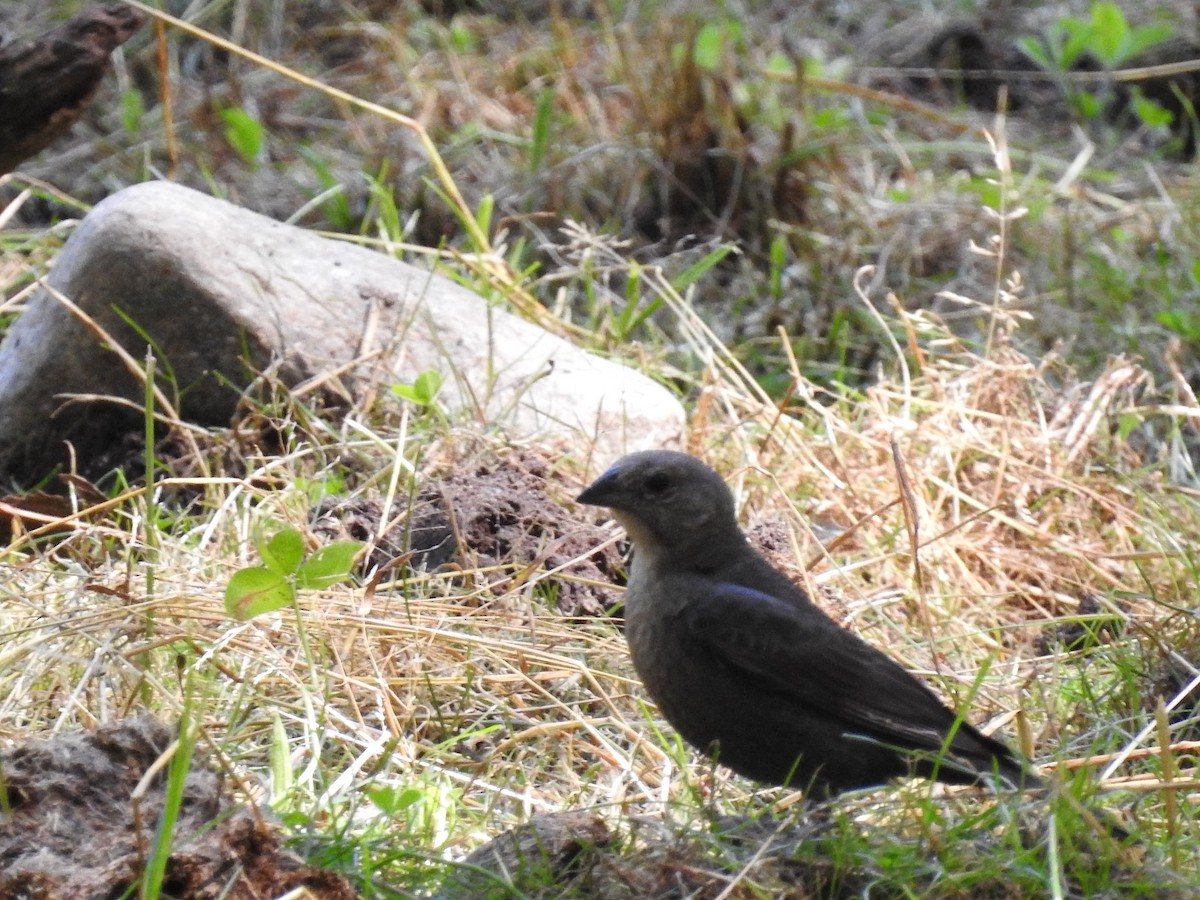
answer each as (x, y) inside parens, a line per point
(806, 659)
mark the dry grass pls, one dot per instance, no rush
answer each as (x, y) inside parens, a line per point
(963, 509)
(976, 504)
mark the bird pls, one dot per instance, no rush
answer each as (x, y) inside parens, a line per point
(750, 671)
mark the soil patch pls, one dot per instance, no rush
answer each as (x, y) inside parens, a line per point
(72, 829)
(496, 514)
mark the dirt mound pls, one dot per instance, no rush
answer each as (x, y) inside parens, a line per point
(482, 517)
(71, 828)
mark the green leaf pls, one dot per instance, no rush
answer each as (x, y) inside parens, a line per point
(317, 489)
(483, 215)
(406, 392)
(1087, 104)
(257, 590)
(329, 565)
(1151, 113)
(1126, 423)
(1146, 36)
(283, 775)
(781, 64)
(1036, 49)
(829, 118)
(778, 257)
(244, 133)
(133, 107)
(813, 67)
(986, 189)
(542, 117)
(1174, 320)
(283, 552)
(424, 390)
(1068, 39)
(693, 272)
(334, 201)
(428, 384)
(391, 800)
(633, 284)
(155, 866)
(466, 42)
(632, 316)
(710, 46)
(1110, 34)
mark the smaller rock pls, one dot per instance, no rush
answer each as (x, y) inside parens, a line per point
(550, 850)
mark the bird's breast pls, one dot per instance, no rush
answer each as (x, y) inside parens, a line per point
(674, 668)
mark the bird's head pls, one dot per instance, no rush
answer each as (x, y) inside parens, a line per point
(667, 501)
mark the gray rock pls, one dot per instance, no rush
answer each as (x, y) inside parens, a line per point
(553, 854)
(224, 293)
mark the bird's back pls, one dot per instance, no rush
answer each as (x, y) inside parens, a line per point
(740, 660)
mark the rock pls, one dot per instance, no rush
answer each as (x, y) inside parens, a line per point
(224, 293)
(551, 850)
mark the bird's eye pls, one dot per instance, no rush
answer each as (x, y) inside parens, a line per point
(657, 483)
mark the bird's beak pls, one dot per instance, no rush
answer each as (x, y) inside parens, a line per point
(602, 491)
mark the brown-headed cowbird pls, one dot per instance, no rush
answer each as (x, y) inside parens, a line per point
(750, 670)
